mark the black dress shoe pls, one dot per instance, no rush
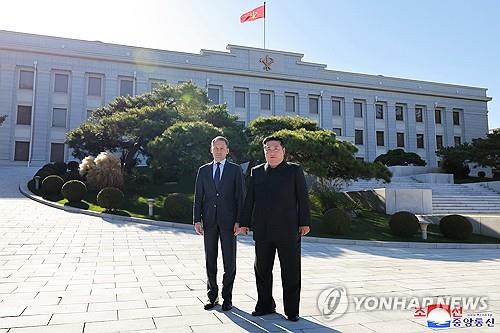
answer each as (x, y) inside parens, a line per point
(258, 313)
(226, 306)
(293, 318)
(210, 305)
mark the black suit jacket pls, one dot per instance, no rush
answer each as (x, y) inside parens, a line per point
(220, 206)
(277, 202)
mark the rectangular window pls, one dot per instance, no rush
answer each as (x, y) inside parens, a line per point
(23, 115)
(239, 99)
(336, 108)
(313, 105)
(94, 86)
(439, 141)
(419, 115)
(437, 116)
(400, 138)
(458, 140)
(337, 130)
(358, 110)
(126, 87)
(399, 112)
(358, 137)
(420, 141)
(379, 111)
(265, 101)
(290, 103)
(21, 150)
(59, 117)
(57, 152)
(380, 138)
(456, 118)
(213, 95)
(61, 83)
(26, 80)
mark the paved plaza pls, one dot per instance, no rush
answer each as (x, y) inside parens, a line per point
(67, 272)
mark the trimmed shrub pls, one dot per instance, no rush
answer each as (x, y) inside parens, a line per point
(74, 190)
(73, 166)
(61, 167)
(481, 174)
(73, 175)
(52, 184)
(110, 198)
(335, 221)
(404, 224)
(455, 227)
(44, 173)
(178, 206)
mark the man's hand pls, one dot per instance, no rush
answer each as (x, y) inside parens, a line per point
(304, 230)
(198, 228)
(244, 230)
(236, 229)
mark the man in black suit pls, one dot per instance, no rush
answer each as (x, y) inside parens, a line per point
(277, 207)
(218, 201)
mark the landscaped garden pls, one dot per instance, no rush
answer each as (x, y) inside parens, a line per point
(170, 129)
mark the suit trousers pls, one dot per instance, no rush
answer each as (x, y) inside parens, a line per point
(228, 244)
(289, 256)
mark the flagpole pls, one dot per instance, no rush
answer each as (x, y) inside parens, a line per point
(265, 25)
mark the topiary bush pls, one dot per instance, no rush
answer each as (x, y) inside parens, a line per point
(73, 175)
(335, 221)
(178, 206)
(74, 190)
(404, 224)
(61, 167)
(110, 198)
(73, 166)
(455, 227)
(481, 174)
(52, 185)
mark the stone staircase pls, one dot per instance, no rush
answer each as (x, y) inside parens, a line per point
(474, 198)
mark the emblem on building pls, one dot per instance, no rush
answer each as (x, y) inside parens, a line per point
(267, 61)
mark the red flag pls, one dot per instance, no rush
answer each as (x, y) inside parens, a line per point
(254, 14)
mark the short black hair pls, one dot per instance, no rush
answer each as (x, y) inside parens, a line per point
(273, 138)
(220, 138)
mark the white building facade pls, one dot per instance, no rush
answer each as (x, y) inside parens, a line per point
(49, 85)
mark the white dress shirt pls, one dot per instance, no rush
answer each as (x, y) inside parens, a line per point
(221, 167)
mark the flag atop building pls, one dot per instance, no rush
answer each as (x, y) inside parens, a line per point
(254, 14)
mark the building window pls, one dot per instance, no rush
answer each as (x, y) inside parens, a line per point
(420, 141)
(439, 141)
(458, 140)
(337, 130)
(61, 83)
(57, 152)
(380, 138)
(400, 138)
(456, 118)
(26, 80)
(23, 115)
(358, 110)
(265, 101)
(213, 95)
(126, 87)
(358, 137)
(336, 108)
(419, 115)
(437, 116)
(89, 113)
(399, 112)
(239, 99)
(94, 86)
(59, 117)
(289, 103)
(379, 111)
(313, 105)
(21, 150)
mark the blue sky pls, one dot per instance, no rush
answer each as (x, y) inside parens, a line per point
(434, 40)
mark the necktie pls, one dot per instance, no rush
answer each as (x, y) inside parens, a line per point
(217, 175)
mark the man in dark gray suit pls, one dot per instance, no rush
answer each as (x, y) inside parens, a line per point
(218, 202)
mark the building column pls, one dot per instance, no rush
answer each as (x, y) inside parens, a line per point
(371, 136)
(349, 118)
(430, 136)
(42, 118)
(391, 125)
(7, 107)
(326, 111)
(303, 105)
(253, 107)
(448, 127)
(411, 128)
(77, 107)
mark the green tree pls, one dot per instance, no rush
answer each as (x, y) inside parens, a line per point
(182, 148)
(400, 157)
(2, 119)
(486, 152)
(322, 155)
(454, 159)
